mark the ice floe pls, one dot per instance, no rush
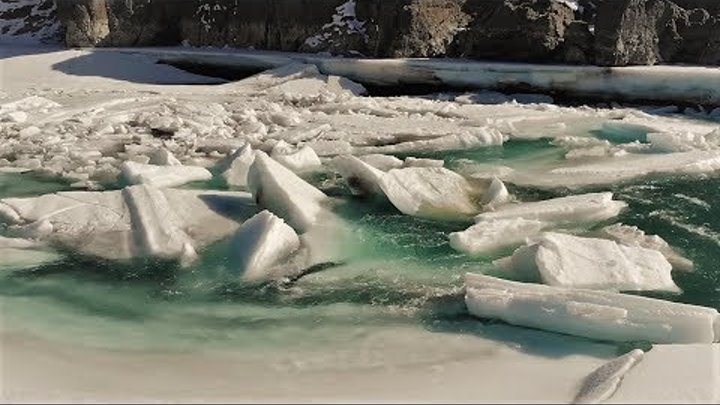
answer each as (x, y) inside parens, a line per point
(570, 261)
(634, 236)
(594, 314)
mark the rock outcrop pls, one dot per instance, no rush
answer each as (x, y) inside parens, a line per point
(603, 32)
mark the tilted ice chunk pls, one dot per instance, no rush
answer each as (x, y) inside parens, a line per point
(382, 162)
(493, 235)
(362, 178)
(420, 162)
(584, 208)
(157, 230)
(497, 194)
(236, 171)
(138, 221)
(633, 236)
(570, 261)
(285, 194)
(430, 192)
(298, 161)
(260, 244)
(602, 383)
(594, 314)
(163, 176)
(673, 374)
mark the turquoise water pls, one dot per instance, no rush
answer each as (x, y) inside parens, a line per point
(398, 270)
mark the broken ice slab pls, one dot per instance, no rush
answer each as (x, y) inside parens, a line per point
(576, 209)
(163, 176)
(236, 166)
(261, 243)
(602, 383)
(510, 225)
(286, 195)
(633, 236)
(593, 314)
(135, 222)
(570, 261)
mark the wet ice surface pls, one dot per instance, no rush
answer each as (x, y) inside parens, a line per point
(374, 256)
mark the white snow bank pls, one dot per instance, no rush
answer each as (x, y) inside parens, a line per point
(285, 194)
(677, 374)
(163, 176)
(570, 261)
(235, 171)
(593, 314)
(602, 383)
(261, 243)
(633, 236)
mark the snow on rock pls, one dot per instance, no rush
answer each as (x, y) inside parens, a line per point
(302, 160)
(570, 261)
(633, 236)
(431, 192)
(235, 170)
(286, 195)
(134, 222)
(382, 162)
(577, 209)
(673, 374)
(602, 383)
(163, 176)
(594, 314)
(494, 235)
(261, 243)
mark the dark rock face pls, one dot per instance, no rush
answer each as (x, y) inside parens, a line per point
(605, 32)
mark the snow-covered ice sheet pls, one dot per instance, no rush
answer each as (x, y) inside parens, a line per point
(685, 374)
(594, 314)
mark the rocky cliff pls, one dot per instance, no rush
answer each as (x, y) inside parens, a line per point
(604, 32)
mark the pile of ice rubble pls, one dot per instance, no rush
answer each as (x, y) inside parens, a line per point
(262, 135)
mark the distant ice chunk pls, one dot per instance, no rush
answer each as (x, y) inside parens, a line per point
(594, 314)
(302, 160)
(163, 157)
(422, 162)
(261, 243)
(286, 195)
(235, 170)
(570, 261)
(382, 162)
(687, 374)
(602, 383)
(669, 142)
(163, 176)
(576, 209)
(633, 236)
(489, 236)
(496, 195)
(482, 136)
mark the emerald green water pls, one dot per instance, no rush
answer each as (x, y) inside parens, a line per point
(398, 270)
